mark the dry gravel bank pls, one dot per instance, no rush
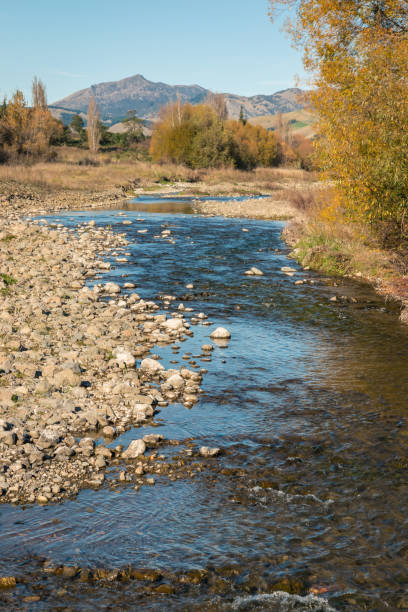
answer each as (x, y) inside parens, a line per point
(68, 365)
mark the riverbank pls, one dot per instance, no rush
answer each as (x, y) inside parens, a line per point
(348, 250)
(68, 365)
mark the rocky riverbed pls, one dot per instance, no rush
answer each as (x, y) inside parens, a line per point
(68, 359)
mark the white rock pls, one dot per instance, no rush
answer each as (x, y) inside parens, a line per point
(254, 272)
(206, 451)
(151, 365)
(173, 324)
(220, 333)
(135, 449)
(176, 381)
(125, 358)
(288, 269)
(111, 288)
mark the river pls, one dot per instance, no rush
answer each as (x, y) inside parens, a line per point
(308, 402)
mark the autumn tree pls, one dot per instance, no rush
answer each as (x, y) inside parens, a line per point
(39, 94)
(357, 54)
(27, 131)
(94, 129)
(198, 137)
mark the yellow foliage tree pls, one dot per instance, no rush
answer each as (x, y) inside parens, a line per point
(357, 52)
(27, 131)
(199, 137)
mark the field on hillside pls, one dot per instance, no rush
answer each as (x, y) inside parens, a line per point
(300, 122)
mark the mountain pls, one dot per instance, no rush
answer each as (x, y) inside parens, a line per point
(116, 98)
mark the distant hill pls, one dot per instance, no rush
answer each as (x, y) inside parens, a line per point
(300, 122)
(116, 98)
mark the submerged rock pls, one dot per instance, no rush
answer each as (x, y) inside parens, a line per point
(206, 451)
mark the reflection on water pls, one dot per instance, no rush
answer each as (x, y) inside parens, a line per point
(308, 403)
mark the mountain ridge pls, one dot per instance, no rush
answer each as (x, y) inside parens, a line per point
(116, 98)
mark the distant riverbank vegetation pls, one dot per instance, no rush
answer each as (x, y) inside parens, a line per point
(198, 136)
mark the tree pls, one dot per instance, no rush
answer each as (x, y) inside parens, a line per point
(242, 118)
(357, 53)
(39, 94)
(197, 137)
(94, 130)
(134, 128)
(77, 125)
(26, 131)
(218, 103)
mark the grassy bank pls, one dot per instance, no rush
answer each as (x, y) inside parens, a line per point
(324, 240)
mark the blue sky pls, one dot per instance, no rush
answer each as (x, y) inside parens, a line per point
(224, 45)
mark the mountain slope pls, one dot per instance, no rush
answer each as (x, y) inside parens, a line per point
(116, 98)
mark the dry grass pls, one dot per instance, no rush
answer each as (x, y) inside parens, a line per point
(76, 170)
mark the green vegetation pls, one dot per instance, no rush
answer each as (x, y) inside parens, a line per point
(8, 280)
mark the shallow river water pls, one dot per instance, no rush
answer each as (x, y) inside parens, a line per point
(308, 403)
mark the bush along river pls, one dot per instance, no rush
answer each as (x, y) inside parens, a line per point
(304, 505)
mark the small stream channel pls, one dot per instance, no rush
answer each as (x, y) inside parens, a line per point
(309, 404)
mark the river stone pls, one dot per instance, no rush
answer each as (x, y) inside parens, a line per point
(48, 438)
(7, 582)
(66, 377)
(176, 381)
(151, 366)
(153, 439)
(173, 324)
(220, 333)
(254, 272)
(288, 269)
(112, 288)
(135, 449)
(206, 451)
(125, 358)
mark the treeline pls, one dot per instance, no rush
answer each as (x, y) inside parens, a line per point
(357, 52)
(202, 137)
(27, 132)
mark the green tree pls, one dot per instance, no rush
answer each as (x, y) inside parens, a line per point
(78, 127)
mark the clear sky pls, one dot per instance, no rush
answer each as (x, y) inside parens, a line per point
(224, 45)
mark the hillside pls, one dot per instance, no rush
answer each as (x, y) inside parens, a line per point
(116, 98)
(300, 122)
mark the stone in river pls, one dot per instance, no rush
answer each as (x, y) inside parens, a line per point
(220, 333)
(135, 449)
(151, 366)
(206, 451)
(173, 324)
(254, 272)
